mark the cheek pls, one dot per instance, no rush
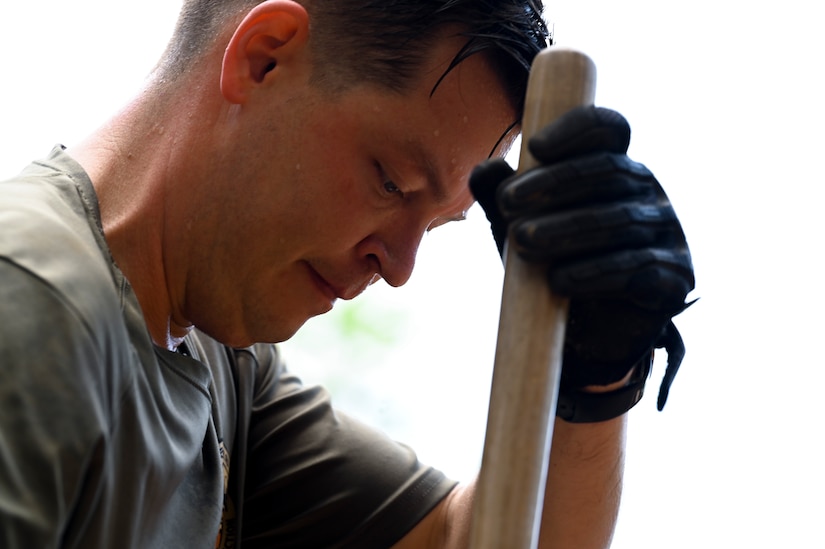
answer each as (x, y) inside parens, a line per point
(332, 209)
(331, 177)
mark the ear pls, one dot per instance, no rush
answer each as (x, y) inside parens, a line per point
(270, 35)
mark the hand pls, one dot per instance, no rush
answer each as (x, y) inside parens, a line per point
(609, 237)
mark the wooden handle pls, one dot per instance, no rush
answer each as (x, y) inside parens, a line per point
(510, 488)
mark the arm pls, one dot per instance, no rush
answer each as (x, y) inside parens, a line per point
(48, 425)
(584, 484)
(581, 502)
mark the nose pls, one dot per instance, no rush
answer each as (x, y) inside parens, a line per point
(394, 251)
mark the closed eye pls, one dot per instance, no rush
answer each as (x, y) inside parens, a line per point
(391, 187)
(387, 184)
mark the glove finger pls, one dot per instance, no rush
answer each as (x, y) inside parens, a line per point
(651, 279)
(581, 131)
(592, 232)
(587, 180)
(671, 340)
(485, 181)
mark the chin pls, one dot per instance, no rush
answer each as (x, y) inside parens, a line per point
(274, 333)
(257, 327)
(240, 339)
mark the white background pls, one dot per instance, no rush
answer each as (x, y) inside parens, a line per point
(725, 99)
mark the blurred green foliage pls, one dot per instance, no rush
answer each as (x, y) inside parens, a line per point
(348, 352)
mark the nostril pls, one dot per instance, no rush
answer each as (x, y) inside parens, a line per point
(374, 263)
(391, 255)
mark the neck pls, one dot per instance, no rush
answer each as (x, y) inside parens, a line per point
(131, 167)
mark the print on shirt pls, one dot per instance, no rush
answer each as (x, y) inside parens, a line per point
(226, 535)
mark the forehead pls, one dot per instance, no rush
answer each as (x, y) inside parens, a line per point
(470, 83)
(479, 87)
(465, 105)
(465, 113)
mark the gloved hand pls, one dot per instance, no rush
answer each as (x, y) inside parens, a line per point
(609, 237)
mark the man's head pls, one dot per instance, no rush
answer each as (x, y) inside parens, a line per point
(312, 146)
(381, 42)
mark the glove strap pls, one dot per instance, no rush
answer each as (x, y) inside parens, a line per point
(577, 406)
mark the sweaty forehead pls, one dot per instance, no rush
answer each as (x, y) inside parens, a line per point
(470, 119)
(474, 105)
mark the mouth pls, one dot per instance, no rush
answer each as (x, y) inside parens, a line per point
(334, 292)
(325, 287)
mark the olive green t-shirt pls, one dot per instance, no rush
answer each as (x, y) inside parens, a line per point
(108, 441)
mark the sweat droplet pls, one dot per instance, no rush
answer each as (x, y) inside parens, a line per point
(436, 132)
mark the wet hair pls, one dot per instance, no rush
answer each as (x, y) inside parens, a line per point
(382, 42)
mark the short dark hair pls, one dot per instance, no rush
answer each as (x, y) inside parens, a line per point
(384, 42)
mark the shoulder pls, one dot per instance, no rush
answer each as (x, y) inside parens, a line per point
(49, 234)
(60, 306)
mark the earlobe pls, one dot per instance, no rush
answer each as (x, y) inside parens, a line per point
(269, 35)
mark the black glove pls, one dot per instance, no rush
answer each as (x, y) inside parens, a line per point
(611, 241)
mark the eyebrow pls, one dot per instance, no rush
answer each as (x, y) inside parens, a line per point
(436, 184)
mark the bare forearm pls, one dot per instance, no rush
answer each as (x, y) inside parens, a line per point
(584, 483)
(581, 499)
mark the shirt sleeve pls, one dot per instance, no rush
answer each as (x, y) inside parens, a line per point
(50, 422)
(318, 478)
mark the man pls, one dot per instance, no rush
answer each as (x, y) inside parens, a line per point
(284, 155)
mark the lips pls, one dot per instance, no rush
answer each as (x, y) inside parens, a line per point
(322, 284)
(335, 291)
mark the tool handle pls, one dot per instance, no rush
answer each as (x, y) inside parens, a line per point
(510, 487)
